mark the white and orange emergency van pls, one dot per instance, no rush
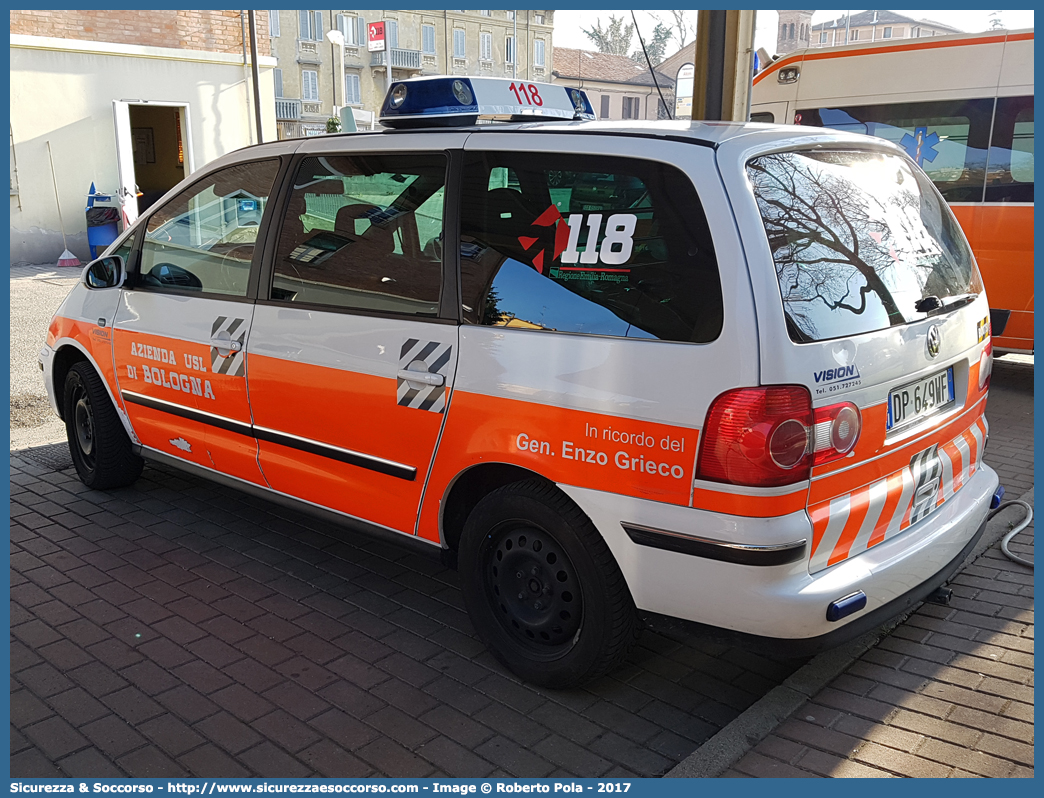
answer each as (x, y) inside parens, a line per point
(962, 108)
(729, 373)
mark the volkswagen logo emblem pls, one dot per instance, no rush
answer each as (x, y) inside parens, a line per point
(934, 340)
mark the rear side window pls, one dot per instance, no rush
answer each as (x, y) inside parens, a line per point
(587, 244)
(364, 232)
(857, 239)
(1010, 174)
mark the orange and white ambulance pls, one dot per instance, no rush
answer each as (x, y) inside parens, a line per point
(962, 108)
(734, 374)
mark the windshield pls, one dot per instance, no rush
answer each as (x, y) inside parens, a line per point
(858, 239)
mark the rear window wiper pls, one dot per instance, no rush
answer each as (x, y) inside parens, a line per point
(933, 305)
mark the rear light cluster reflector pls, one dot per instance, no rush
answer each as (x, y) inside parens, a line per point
(770, 436)
(986, 360)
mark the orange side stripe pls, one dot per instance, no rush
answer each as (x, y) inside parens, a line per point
(820, 519)
(856, 515)
(817, 56)
(895, 493)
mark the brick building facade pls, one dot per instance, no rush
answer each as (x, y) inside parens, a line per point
(212, 31)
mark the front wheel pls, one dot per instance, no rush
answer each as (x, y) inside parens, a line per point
(98, 443)
(542, 588)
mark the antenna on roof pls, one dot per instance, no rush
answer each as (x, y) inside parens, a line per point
(651, 70)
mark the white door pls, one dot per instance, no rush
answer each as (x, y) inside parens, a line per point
(128, 188)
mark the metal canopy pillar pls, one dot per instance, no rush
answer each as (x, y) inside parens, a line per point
(724, 63)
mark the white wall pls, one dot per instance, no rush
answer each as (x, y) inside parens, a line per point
(62, 91)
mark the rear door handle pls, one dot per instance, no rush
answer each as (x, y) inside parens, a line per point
(423, 377)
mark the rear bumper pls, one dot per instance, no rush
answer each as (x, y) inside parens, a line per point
(784, 604)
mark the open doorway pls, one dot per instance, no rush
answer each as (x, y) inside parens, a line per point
(153, 152)
(159, 157)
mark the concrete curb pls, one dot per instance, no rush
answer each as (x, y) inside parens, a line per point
(759, 720)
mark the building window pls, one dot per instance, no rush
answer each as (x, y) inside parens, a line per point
(538, 19)
(486, 46)
(352, 89)
(822, 37)
(855, 36)
(604, 112)
(915, 33)
(277, 77)
(391, 31)
(311, 25)
(632, 107)
(510, 14)
(352, 28)
(459, 44)
(273, 24)
(791, 30)
(538, 53)
(509, 50)
(486, 13)
(309, 85)
(783, 31)
(428, 39)
(887, 33)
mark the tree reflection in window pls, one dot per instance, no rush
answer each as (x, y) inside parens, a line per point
(857, 238)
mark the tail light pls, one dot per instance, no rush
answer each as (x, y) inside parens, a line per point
(770, 436)
(837, 430)
(758, 437)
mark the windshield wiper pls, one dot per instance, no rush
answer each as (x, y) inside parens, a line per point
(933, 305)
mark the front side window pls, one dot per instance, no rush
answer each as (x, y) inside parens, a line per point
(204, 238)
(857, 239)
(587, 244)
(364, 232)
(948, 139)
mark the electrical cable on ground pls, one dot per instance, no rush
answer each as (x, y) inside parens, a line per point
(1025, 522)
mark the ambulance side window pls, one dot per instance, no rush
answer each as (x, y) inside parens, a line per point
(587, 244)
(203, 239)
(363, 232)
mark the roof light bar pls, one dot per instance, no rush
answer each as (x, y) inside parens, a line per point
(456, 101)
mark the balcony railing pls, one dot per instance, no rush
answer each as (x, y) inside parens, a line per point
(400, 59)
(287, 109)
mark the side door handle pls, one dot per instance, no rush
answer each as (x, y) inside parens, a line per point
(422, 377)
(225, 344)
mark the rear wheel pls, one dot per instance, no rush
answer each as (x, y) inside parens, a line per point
(98, 443)
(542, 588)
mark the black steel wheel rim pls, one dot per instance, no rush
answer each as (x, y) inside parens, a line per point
(83, 426)
(532, 588)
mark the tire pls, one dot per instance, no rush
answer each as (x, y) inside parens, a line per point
(98, 443)
(542, 588)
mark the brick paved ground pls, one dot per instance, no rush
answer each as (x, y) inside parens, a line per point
(180, 628)
(950, 691)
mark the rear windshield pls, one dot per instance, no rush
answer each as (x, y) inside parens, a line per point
(858, 239)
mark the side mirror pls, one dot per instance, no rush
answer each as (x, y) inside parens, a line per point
(107, 272)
